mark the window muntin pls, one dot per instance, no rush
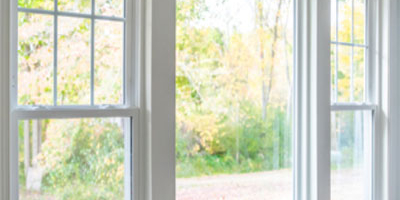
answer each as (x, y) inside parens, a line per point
(79, 67)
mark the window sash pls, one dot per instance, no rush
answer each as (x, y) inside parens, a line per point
(352, 44)
(370, 87)
(130, 66)
(131, 82)
(132, 189)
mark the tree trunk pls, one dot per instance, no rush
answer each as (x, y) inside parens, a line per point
(26, 146)
(35, 172)
(268, 77)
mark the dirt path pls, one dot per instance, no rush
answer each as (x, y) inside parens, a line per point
(271, 185)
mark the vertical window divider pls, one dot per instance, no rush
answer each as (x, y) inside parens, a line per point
(352, 54)
(313, 99)
(92, 56)
(366, 55)
(55, 53)
(337, 51)
(392, 106)
(7, 41)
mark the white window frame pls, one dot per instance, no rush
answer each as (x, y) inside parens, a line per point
(154, 58)
(369, 102)
(312, 100)
(130, 109)
(155, 105)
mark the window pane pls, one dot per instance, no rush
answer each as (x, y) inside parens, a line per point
(345, 20)
(73, 158)
(80, 6)
(359, 21)
(333, 72)
(35, 59)
(350, 73)
(109, 62)
(350, 155)
(37, 4)
(359, 74)
(344, 73)
(234, 93)
(73, 61)
(351, 51)
(110, 7)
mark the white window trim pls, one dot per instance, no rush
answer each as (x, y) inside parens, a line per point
(10, 112)
(156, 57)
(312, 100)
(159, 99)
(390, 98)
(4, 99)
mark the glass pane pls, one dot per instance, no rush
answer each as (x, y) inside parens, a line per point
(344, 73)
(35, 59)
(73, 159)
(359, 73)
(110, 7)
(359, 21)
(37, 4)
(109, 57)
(350, 155)
(333, 72)
(73, 61)
(80, 6)
(345, 20)
(233, 93)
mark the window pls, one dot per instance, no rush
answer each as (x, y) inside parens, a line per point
(88, 87)
(234, 85)
(74, 115)
(352, 104)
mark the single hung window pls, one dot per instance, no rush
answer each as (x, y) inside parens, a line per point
(352, 118)
(73, 117)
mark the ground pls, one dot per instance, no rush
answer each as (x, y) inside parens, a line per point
(270, 185)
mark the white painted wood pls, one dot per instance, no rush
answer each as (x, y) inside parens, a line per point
(73, 112)
(128, 175)
(352, 106)
(160, 98)
(391, 97)
(36, 113)
(70, 14)
(377, 86)
(312, 123)
(4, 98)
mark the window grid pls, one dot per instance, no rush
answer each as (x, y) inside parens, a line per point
(351, 103)
(337, 43)
(93, 17)
(125, 108)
